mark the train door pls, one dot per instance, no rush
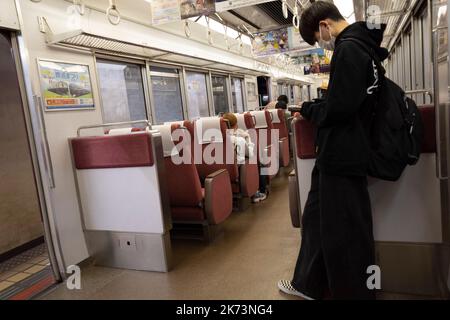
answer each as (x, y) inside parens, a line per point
(25, 268)
(441, 93)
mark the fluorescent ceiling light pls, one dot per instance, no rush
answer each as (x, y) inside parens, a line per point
(347, 9)
(218, 27)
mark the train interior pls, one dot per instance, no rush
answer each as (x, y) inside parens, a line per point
(101, 100)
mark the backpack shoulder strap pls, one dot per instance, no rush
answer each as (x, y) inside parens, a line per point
(370, 52)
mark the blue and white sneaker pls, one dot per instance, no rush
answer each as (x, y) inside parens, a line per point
(286, 287)
(258, 197)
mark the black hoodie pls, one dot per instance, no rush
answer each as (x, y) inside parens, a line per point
(343, 118)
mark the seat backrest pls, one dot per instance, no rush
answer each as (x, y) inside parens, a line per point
(223, 139)
(305, 134)
(279, 122)
(118, 179)
(183, 181)
(245, 121)
(429, 121)
(263, 121)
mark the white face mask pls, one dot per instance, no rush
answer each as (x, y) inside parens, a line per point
(327, 45)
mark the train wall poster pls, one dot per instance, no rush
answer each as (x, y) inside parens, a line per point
(65, 86)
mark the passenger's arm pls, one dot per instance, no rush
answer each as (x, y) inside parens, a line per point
(347, 90)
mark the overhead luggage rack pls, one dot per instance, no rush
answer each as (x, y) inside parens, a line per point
(81, 39)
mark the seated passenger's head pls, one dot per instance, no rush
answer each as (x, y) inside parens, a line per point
(321, 22)
(281, 105)
(232, 119)
(283, 98)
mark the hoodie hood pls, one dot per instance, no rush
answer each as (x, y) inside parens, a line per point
(372, 37)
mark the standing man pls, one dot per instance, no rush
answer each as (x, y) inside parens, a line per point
(337, 237)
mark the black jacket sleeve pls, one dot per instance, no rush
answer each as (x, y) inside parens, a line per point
(347, 89)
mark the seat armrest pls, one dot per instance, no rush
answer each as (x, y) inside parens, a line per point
(218, 197)
(248, 178)
(283, 147)
(293, 201)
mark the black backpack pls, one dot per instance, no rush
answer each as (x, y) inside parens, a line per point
(396, 127)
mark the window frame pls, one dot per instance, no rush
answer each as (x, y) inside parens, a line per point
(228, 88)
(143, 66)
(169, 75)
(208, 89)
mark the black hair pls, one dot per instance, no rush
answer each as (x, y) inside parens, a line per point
(281, 105)
(283, 98)
(311, 17)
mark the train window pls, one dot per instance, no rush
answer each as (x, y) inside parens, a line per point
(220, 94)
(197, 95)
(122, 91)
(238, 95)
(166, 94)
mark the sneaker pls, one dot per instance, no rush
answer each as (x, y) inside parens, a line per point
(286, 287)
(258, 197)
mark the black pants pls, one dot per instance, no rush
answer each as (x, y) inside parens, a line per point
(337, 239)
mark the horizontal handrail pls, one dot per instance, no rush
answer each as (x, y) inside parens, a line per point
(426, 91)
(106, 125)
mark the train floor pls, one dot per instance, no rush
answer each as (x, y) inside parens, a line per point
(26, 275)
(257, 248)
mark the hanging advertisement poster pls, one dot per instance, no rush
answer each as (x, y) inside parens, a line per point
(193, 8)
(165, 11)
(224, 5)
(65, 86)
(295, 40)
(314, 61)
(271, 42)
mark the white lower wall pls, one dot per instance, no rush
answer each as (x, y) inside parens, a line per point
(121, 199)
(408, 210)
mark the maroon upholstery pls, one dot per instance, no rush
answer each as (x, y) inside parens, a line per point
(205, 169)
(282, 126)
(249, 121)
(250, 174)
(284, 152)
(191, 214)
(218, 197)
(185, 189)
(268, 141)
(429, 120)
(305, 133)
(133, 150)
(187, 197)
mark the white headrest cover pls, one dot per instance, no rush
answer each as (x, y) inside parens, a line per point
(181, 123)
(241, 121)
(208, 130)
(120, 131)
(260, 117)
(167, 141)
(275, 117)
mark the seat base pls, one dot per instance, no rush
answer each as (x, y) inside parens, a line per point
(241, 203)
(136, 251)
(195, 231)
